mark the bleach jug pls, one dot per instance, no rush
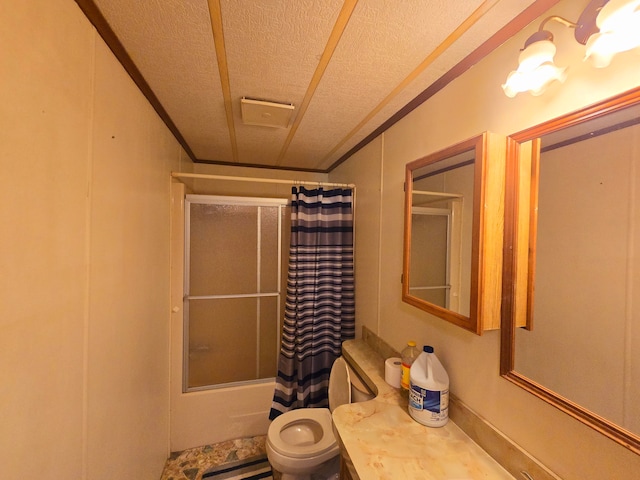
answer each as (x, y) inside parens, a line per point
(429, 392)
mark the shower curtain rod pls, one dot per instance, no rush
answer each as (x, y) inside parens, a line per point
(259, 180)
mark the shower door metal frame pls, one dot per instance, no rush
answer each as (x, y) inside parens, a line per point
(453, 214)
(281, 203)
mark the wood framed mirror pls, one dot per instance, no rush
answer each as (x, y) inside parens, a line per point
(572, 265)
(453, 232)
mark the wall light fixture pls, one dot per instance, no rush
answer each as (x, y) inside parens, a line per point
(605, 27)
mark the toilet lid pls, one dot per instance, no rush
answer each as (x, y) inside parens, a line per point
(339, 384)
(320, 415)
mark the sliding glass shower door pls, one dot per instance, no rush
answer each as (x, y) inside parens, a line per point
(233, 276)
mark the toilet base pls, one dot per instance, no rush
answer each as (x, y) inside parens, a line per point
(329, 470)
(288, 476)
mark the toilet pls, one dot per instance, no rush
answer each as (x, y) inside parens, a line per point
(301, 442)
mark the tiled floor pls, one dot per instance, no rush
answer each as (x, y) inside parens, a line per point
(191, 464)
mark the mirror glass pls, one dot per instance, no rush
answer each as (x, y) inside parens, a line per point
(443, 220)
(440, 238)
(576, 228)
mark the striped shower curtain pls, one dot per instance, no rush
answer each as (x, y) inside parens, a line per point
(320, 304)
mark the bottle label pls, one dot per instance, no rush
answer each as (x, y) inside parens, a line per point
(405, 380)
(433, 401)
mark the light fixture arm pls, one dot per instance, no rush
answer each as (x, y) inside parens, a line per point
(543, 34)
(559, 19)
(584, 27)
(587, 21)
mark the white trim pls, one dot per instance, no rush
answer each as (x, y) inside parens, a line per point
(228, 200)
(445, 212)
(233, 295)
(185, 300)
(258, 283)
(437, 194)
(203, 176)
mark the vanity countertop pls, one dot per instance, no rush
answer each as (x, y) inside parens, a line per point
(383, 442)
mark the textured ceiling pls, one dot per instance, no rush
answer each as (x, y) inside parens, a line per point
(347, 66)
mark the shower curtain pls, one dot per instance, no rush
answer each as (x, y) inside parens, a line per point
(320, 303)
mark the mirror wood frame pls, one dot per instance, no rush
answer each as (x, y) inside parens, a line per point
(487, 232)
(518, 286)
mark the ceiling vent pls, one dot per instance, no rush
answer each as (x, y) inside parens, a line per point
(266, 114)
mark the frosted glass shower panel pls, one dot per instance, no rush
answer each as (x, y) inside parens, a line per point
(232, 340)
(268, 337)
(429, 277)
(224, 249)
(233, 301)
(222, 341)
(269, 246)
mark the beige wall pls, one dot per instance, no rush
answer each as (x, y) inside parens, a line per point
(84, 339)
(468, 106)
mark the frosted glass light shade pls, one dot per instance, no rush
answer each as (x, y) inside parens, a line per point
(619, 24)
(536, 70)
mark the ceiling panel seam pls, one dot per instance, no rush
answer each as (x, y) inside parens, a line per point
(522, 20)
(338, 29)
(483, 9)
(218, 38)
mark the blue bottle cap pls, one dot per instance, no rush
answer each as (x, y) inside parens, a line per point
(427, 348)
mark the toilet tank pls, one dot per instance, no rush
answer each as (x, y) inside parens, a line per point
(360, 392)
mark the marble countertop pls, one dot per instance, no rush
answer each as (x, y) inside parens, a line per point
(382, 441)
